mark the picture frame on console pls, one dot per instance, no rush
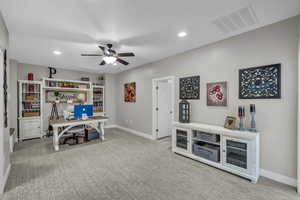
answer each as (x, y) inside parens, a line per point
(230, 122)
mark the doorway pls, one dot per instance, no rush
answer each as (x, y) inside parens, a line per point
(163, 106)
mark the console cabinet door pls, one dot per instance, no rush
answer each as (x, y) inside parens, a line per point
(237, 154)
(182, 139)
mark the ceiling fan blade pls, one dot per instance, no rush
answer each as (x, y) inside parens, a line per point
(102, 48)
(125, 54)
(122, 61)
(91, 54)
(102, 63)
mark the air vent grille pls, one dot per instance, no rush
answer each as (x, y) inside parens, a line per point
(238, 20)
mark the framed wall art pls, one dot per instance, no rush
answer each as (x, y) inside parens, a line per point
(260, 82)
(189, 87)
(217, 94)
(130, 92)
(5, 87)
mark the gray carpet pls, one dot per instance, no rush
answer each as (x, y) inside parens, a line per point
(126, 167)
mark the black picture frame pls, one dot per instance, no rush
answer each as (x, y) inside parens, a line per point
(263, 82)
(189, 88)
(5, 87)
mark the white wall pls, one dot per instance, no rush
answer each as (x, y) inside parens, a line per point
(13, 90)
(4, 132)
(276, 119)
(42, 71)
(298, 127)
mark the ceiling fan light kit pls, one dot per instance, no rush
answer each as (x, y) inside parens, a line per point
(111, 56)
(109, 59)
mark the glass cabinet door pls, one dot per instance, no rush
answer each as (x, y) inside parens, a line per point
(31, 100)
(181, 139)
(236, 154)
(98, 99)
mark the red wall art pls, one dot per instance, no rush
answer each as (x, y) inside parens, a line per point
(130, 92)
(217, 94)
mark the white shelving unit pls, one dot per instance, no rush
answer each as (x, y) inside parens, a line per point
(98, 100)
(30, 109)
(231, 150)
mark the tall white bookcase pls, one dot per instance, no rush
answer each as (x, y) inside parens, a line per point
(30, 109)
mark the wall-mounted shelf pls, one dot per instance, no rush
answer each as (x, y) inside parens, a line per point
(65, 89)
(60, 84)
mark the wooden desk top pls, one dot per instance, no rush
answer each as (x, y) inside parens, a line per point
(66, 122)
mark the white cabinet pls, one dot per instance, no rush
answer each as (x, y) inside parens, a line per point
(30, 109)
(231, 150)
(30, 128)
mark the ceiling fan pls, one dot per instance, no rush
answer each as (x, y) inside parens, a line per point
(110, 55)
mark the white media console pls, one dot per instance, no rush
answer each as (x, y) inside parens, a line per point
(231, 150)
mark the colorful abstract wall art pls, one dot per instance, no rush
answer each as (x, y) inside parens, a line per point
(130, 92)
(217, 94)
(260, 82)
(189, 87)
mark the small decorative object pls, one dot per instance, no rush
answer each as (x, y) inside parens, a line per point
(130, 92)
(189, 87)
(230, 122)
(252, 113)
(30, 76)
(241, 114)
(85, 78)
(52, 71)
(184, 111)
(54, 112)
(101, 80)
(5, 87)
(217, 94)
(260, 82)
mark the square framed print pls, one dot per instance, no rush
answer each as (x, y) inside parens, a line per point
(260, 82)
(130, 92)
(217, 94)
(189, 88)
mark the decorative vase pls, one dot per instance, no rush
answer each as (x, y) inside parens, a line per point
(252, 113)
(241, 113)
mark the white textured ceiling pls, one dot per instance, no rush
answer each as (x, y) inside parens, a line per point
(147, 28)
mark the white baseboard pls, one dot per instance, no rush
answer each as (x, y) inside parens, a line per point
(145, 135)
(110, 126)
(3, 183)
(279, 177)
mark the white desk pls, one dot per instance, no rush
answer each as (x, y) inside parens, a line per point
(94, 122)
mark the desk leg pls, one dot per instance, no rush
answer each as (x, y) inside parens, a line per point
(101, 128)
(55, 139)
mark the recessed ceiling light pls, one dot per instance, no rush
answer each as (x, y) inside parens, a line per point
(57, 52)
(182, 34)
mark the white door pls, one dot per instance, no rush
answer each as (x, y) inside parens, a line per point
(164, 109)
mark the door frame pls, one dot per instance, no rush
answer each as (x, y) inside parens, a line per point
(154, 101)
